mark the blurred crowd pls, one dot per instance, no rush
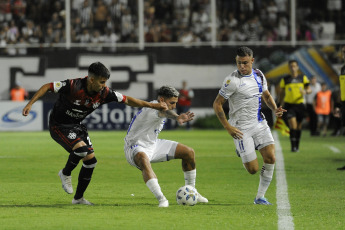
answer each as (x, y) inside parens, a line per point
(113, 21)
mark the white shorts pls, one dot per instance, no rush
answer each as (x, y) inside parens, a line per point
(255, 138)
(163, 150)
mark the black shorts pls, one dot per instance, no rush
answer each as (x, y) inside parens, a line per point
(295, 110)
(69, 135)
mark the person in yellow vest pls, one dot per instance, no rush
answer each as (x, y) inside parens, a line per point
(18, 93)
(323, 105)
(293, 88)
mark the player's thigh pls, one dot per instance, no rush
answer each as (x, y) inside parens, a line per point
(245, 148)
(164, 150)
(71, 137)
(132, 150)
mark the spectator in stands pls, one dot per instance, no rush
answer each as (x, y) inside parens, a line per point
(18, 93)
(185, 100)
(323, 105)
(100, 16)
(315, 87)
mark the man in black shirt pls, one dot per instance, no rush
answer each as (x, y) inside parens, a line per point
(77, 99)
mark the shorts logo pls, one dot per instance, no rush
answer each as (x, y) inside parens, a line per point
(72, 135)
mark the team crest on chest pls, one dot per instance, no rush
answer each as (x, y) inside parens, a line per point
(72, 135)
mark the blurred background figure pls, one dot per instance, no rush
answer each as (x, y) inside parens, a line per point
(315, 88)
(323, 105)
(18, 93)
(185, 100)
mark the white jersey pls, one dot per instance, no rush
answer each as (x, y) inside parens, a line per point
(145, 127)
(244, 96)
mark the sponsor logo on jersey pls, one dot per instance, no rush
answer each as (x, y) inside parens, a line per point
(72, 135)
(96, 105)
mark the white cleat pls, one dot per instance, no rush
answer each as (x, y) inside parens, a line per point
(163, 203)
(81, 201)
(66, 182)
(202, 199)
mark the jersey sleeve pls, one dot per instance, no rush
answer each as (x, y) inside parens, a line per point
(60, 86)
(282, 83)
(228, 87)
(306, 81)
(115, 96)
(264, 83)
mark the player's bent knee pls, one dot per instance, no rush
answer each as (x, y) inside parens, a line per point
(82, 151)
(141, 160)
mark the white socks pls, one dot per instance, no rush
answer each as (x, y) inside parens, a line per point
(154, 187)
(189, 177)
(265, 179)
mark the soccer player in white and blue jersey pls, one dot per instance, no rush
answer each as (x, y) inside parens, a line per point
(244, 89)
(142, 146)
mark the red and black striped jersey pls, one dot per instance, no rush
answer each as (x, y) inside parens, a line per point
(75, 103)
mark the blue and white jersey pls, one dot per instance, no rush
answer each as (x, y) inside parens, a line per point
(145, 127)
(243, 93)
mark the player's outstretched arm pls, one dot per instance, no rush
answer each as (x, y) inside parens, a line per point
(43, 90)
(218, 109)
(267, 97)
(134, 102)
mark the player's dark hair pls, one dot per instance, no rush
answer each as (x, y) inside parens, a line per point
(97, 69)
(168, 92)
(244, 51)
(293, 61)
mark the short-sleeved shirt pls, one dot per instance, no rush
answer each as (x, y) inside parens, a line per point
(145, 127)
(243, 93)
(342, 83)
(75, 103)
(293, 87)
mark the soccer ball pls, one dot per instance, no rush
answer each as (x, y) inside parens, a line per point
(187, 195)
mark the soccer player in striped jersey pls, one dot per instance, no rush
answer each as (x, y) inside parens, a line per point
(77, 99)
(142, 146)
(245, 89)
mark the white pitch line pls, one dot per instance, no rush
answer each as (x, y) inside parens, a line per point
(334, 149)
(285, 219)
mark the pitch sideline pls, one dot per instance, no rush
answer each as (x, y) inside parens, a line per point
(285, 219)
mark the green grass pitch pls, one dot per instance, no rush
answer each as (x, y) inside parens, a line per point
(31, 196)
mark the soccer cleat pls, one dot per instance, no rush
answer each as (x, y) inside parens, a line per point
(202, 199)
(81, 201)
(262, 201)
(66, 182)
(341, 168)
(163, 203)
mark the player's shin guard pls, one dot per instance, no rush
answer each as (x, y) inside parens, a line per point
(265, 179)
(189, 177)
(85, 177)
(73, 160)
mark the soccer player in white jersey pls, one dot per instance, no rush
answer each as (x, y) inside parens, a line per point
(244, 89)
(142, 146)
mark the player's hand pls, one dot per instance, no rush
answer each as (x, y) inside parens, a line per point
(185, 117)
(279, 111)
(235, 133)
(26, 110)
(162, 106)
